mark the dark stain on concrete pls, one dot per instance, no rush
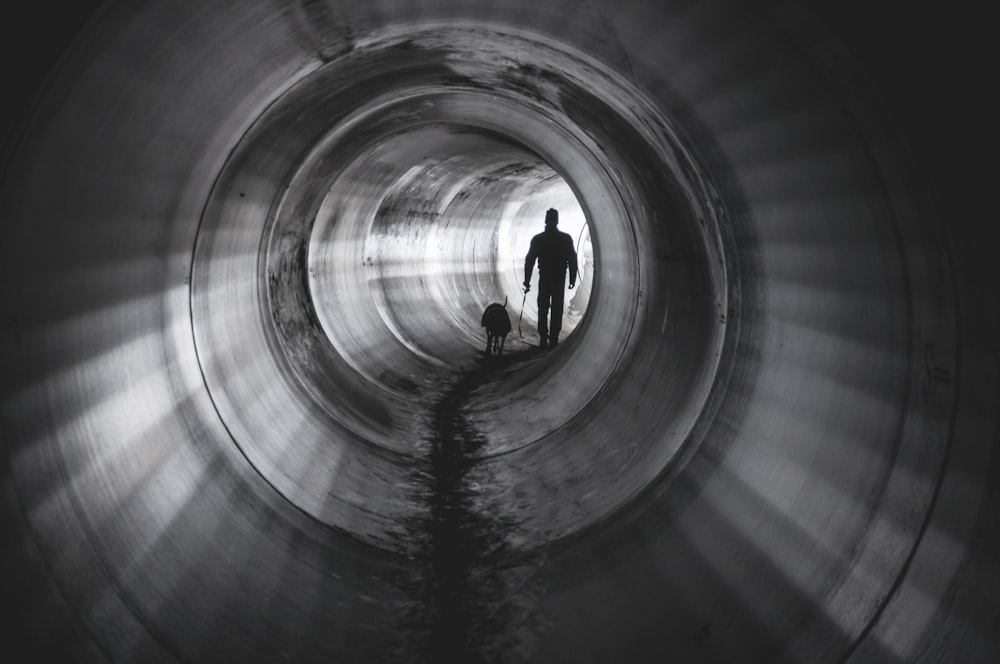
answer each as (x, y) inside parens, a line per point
(474, 593)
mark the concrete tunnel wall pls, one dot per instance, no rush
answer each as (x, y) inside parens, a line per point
(245, 415)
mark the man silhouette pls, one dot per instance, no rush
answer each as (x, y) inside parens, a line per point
(554, 251)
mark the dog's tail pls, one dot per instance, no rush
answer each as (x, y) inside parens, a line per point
(505, 301)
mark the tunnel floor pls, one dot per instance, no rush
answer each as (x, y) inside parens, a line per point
(472, 592)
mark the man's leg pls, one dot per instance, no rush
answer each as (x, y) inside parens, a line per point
(557, 311)
(543, 314)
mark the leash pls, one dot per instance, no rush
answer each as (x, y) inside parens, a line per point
(523, 300)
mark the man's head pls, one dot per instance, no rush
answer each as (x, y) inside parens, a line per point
(551, 219)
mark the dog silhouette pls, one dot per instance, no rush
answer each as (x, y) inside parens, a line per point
(497, 324)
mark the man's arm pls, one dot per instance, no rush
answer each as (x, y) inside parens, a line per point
(529, 264)
(571, 259)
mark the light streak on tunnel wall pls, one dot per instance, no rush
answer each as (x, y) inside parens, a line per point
(246, 415)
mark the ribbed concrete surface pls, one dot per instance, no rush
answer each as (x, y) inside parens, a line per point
(246, 414)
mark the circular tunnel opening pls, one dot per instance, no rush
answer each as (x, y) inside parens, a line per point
(347, 252)
(438, 230)
(239, 334)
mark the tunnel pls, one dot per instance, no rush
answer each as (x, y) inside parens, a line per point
(248, 413)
